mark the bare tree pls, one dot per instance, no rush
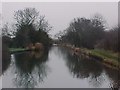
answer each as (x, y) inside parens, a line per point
(83, 32)
(31, 27)
(42, 24)
(26, 16)
(5, 30)
(30, 16)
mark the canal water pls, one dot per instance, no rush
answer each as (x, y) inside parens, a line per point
(56, 68)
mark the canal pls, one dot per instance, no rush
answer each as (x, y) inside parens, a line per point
(56, 68)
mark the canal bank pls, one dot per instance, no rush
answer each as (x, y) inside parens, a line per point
(17, 50)
(58, 68)
(107, 58)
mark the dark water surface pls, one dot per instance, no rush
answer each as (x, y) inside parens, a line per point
(56, 68)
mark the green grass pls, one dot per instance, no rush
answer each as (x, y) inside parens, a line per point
(105, 54)
(16, 49)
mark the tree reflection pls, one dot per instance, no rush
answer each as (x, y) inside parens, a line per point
(31, 68)
(114, 77)
(5, 58)
(81, 67)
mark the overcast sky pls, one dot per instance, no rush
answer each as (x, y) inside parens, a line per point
(60, 14)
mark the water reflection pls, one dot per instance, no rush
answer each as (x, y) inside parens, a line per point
(114, 76)
(31, 68)
(5, 58)
(82, 67)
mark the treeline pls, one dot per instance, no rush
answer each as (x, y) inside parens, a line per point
(111, 40)
(29, 28)
(90, 33)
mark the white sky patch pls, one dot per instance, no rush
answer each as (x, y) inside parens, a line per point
(60, 14)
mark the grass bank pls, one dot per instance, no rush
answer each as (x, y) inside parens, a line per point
(108, 58)
(106, 54)
(14, 50)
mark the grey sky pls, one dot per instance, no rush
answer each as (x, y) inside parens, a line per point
(60, 14)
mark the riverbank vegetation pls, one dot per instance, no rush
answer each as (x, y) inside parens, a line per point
(92, 35)
(29, 28)
(14, 50)
(109, 58)
(106, 54)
